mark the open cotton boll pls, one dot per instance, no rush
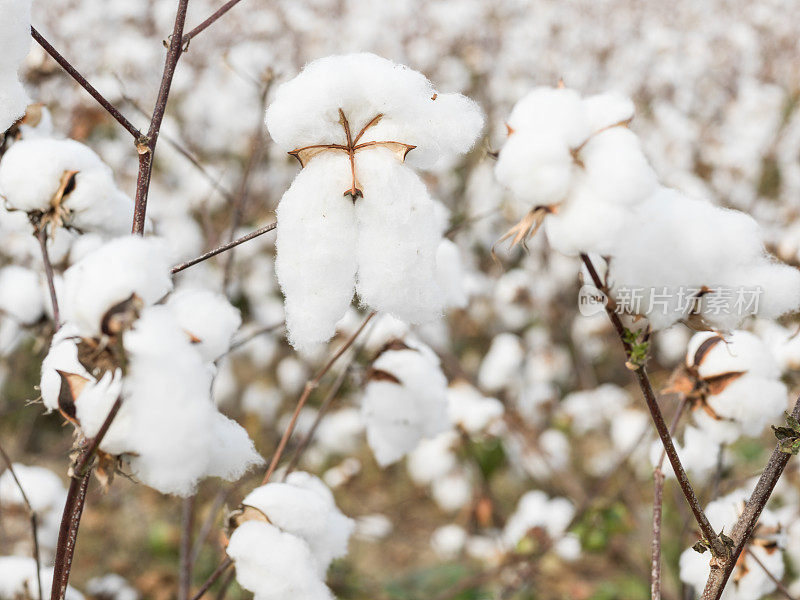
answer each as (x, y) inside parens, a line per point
(450, 274)
(453, 491)
(340, 432)
(551, 110)
(20, 294)
(433, 458)
(591, 409)
(471, 410)
(18, 580)
(737, 351)
(44, 489)
(111, 587)
(404, 402)
(123, 267)
(275, 565)
(678, 248)
(15, 33)
(351, 120)
(501, 363)
(32, 176)
(535, 510)
(303, 506)
(208, 318)
(607, 109)
(448, 541)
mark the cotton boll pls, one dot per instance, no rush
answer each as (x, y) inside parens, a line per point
(546, 109)
(470, 409)
(397, 240)
(340, 431)
(126, 266)
(315, 261)
(628, 429)
(590, 409)
(433, 459)
(43, 489)
(207, 317)
(450, 274)
(399, 415)
(453, 491)
(262, 400)
(536, 510)
(233, 451)
(20, 295)
(273, 564)
(15, 33)
(448, 541)
(373, 527)
(502, 363)
(111, 587)
(18, 579)
(738, 351)
(292, 375)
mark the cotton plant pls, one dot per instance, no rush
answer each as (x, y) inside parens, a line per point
(542, 520)
(749, 581)
(18, 580)
(63, 183)
(358, 217)
(123, 342)
(404, 400)
(285, 537)
(15, 33)
(46, 493)
(732, 383)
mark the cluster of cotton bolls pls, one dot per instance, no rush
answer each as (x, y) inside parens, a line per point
(357, 123)
(286, 536)
(119, 344)
(15, 34)
(575, 166)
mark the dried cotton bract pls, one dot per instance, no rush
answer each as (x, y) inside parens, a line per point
(117, 343)
(15, 39)
(405, 400)
(64, 183)
(357, 217)
(286, 536)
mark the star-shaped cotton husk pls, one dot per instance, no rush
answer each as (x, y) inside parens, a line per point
(57, 215)
(352, 146)
(687, 381)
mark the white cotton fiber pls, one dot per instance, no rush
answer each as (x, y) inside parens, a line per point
(111, 274)
(15, 38)
(20, 294)
(536, 510)
(502, 362)
(381, 237)
(208, 317)
(32, 171)
(18, 579)
(470, 409)
(399, 415)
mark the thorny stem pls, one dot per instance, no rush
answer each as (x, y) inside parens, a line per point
(309, 387)
(218, 572)
(41, 236)
(209, 21)
(73, 72)
(223, 248)
(778, 583)
(32, 516)
(748, 520)
(717, 547)
(147, 147)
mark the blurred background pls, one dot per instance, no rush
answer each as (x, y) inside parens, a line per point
(716, 85)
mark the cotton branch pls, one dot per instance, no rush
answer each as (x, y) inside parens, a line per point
(209, 21)
(147, 148)
(309, 387)
(717, 547)
(778, 583)
(73, 72)
(743, 529)
(223, 248)
(218, 572)
(41, 236)
(31, 515)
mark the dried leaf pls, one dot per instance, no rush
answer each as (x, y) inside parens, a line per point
(121, 315)
(381, 375)
(72, 385)
(717, 383)
(704, 348)
(246, 513)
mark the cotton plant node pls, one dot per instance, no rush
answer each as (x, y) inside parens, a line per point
(398, 149)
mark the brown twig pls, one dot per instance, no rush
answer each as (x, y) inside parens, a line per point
(73, 72)
(147, 146)
(717, 547)
(187, 524)
(748, 520)
(68, 534)
(778, 583)
(309, 387)
(209, 21)
(218, 572)
(32, 516)
(41, 236)
(223, 248)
